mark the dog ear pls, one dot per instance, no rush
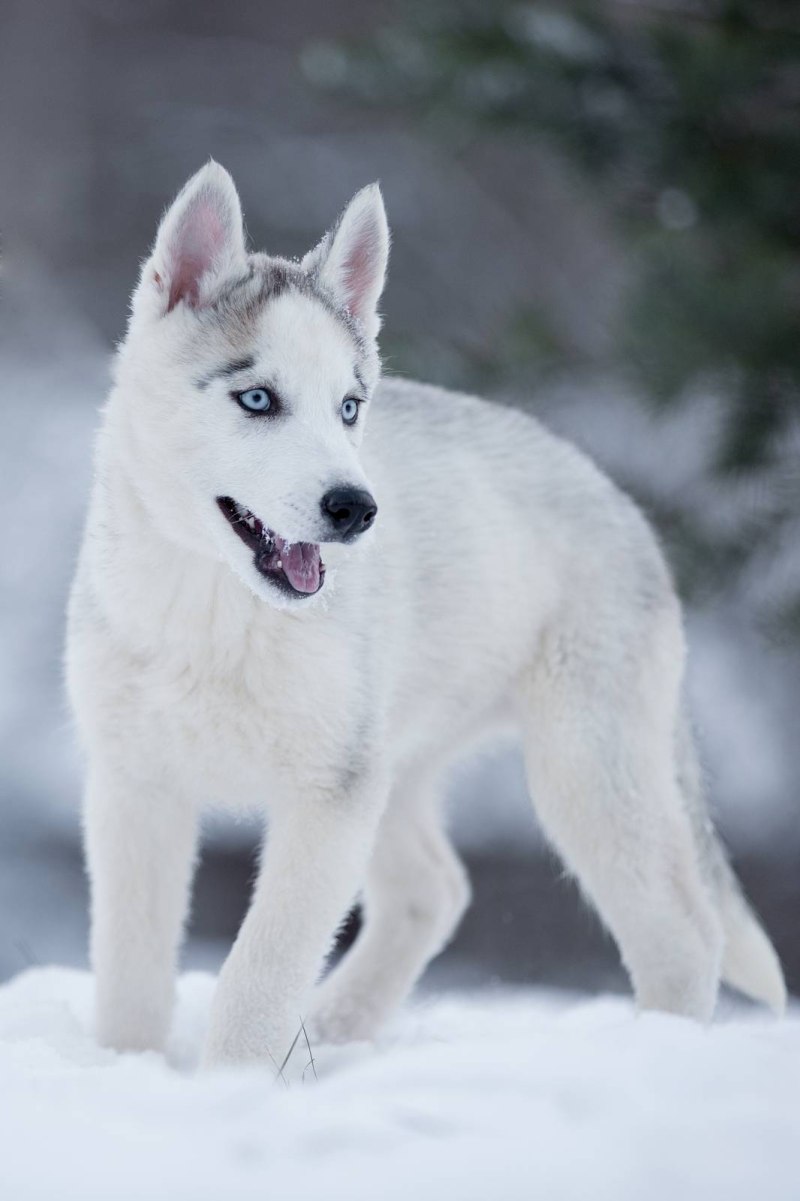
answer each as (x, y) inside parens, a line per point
(351, 259)
(199, 245)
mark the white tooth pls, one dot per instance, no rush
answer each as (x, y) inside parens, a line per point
(279, 563)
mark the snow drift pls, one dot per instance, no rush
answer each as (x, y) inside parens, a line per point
(509, 1095)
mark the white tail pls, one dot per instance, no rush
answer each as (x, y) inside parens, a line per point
(749, 961)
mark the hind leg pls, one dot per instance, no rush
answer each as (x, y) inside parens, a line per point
(415, 894)
(600, 755)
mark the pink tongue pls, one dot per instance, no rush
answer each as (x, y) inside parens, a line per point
(301, 564)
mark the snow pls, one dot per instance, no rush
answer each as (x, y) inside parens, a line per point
(492, 1096)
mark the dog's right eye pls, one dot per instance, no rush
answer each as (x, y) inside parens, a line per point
(255, 400)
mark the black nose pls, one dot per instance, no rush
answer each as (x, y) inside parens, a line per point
(350, 511)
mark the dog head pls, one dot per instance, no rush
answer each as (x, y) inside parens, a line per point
(245, 383)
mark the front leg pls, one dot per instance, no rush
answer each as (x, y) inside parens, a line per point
(140, 843)
(314, 864)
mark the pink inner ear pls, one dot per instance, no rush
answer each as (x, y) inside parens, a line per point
(196, 246)
(359, 269)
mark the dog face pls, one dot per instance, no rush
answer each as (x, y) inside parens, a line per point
(245, 383)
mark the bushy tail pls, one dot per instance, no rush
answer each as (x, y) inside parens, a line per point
(749, 962)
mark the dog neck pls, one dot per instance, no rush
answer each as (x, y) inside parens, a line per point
(159, 596)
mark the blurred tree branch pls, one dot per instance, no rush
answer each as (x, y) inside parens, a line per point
(686, 117)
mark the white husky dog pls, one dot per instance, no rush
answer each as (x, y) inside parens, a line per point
(249, 625)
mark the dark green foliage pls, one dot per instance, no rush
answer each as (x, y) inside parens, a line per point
(685, 116)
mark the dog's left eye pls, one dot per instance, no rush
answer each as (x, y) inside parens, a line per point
(350, 411)
(255, 400)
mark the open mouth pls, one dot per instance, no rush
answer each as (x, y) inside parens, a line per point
(295, 567)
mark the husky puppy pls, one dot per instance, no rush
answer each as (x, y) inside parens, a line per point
(305, 590)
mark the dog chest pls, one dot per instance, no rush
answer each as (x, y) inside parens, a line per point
(235, 726)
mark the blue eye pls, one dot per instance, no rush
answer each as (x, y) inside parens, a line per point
(255, 400)
(349, 411)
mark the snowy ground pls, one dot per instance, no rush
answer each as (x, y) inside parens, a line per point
(491, 1098)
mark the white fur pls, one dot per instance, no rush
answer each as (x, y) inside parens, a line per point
(506, 581)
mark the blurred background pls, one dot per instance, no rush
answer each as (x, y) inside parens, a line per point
(596, 216)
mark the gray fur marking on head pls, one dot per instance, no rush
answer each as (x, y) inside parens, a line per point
(233, 368)
(242, 301)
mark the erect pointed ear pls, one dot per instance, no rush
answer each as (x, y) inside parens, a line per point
(351, 259)
(199, 245)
